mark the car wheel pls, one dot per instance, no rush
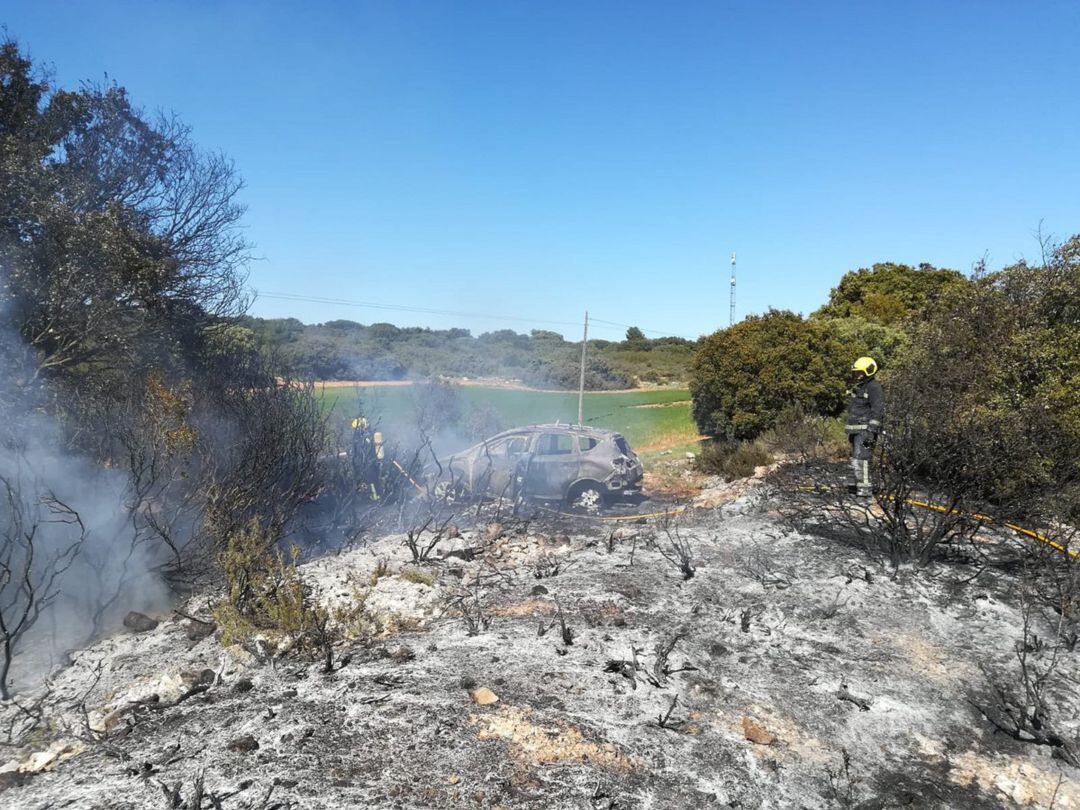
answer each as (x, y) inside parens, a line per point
(588, 499)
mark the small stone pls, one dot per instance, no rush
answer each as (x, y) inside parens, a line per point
(139, 622)
(197, 631)
(538, 590)
(483, 696)
(244, 745)
(453, 780)
(755, 733)
(402, 654)
(467, 682)
(494, 531)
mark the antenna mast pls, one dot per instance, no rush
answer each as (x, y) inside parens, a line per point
(731, 315)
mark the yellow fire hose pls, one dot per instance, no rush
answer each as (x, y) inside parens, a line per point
(615, 518)
(407, 476)
(1034, 535)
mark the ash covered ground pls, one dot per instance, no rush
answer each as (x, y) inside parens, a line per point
(569, 664)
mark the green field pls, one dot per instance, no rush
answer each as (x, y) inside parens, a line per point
(666, 423)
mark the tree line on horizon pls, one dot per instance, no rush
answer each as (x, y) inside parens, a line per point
(866, 309)
(347, 350)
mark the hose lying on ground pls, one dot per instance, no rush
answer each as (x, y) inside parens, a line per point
(1034, 535)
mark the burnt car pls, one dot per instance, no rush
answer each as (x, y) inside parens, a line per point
(581, 466)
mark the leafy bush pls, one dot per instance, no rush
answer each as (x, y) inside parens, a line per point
(264, 592)
(743, 377)
(807, 436)
(889, 293)
(862, 337)
(732, 460)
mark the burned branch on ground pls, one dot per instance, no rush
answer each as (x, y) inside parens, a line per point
(420, 547)
(675, 547)
(660, 668)
(665, 720)
(846, 695)
(842, 785)
(765, 569)
(1020, 704)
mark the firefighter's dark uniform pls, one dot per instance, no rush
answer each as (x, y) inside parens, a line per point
(865, 416)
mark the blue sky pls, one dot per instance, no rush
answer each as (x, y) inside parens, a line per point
(534, 159)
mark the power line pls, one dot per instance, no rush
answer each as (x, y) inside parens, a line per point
(432, 311)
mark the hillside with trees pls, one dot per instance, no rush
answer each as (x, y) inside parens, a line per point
(346, 350)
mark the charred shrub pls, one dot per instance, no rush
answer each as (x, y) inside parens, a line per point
(437, 406)
(482, 422)
(1021, 702)
(275, 435)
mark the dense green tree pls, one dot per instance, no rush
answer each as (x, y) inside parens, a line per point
(635, 339)
(888, 293)
(743, 377)
(863, 337)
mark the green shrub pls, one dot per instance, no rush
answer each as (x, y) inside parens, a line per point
(743, 377)
(418, 577)
(732, 460)
(862, 337)
(807, 436)
(889, 293)
(264, 592)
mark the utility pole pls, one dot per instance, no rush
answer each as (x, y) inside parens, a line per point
(731, 314)
(581, 383)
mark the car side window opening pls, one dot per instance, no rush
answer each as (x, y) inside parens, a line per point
(555, 444)
(586, 443)
(624, 448)
(517, 446)
(499, 448)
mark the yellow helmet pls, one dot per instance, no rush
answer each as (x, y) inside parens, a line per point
(866, 365)
(359, 423)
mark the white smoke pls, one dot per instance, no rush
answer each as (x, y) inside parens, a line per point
(64, 520)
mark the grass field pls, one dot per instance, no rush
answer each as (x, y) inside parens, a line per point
(651, 420)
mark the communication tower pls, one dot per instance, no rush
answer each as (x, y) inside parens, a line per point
(731, 315)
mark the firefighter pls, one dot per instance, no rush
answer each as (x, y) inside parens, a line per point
(865, 416)
(367, 456)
